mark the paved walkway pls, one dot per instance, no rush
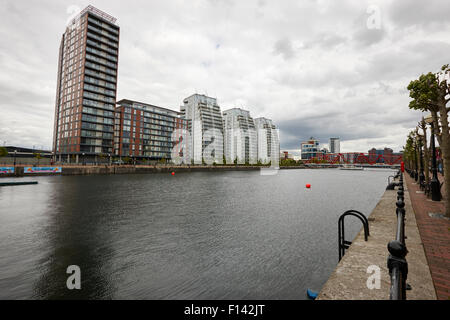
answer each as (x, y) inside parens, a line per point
(349, 280)
(435, 234)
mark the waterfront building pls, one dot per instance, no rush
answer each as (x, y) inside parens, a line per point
(145, 132)
(268, 141)
(284, 155)
(205, 127)
(240, 141)
(86, 86)
(381, 155)
(335, 145)
(310, 148)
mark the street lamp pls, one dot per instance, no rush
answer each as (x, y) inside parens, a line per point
(84, 159)
(434, 183)
(15, 152)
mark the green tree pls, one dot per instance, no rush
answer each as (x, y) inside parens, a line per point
(127, 160)
(3, 152)
(429, 93)
(408, 151)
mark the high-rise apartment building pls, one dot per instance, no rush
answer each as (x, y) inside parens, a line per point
(205, 127)
(86, 86)
(267, 140)
(335, 145)
(240, 138)
(145, 132)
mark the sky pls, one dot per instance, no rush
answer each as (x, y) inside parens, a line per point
(321, 68)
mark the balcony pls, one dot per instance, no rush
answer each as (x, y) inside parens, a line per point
(102, 39)
(103, 33)
(100, 68)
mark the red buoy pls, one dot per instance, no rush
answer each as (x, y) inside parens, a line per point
(308, 186)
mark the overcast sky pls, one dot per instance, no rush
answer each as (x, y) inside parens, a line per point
(318, 68)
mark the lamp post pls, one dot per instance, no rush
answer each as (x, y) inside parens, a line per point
(15, 153)
(84, 159)
(434, 183)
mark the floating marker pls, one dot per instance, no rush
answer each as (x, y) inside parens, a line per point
(308, 186)
(311, 294)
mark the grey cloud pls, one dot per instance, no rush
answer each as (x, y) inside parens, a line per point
(284, 48)
(335, 76)
(431, 14)
(367, 37)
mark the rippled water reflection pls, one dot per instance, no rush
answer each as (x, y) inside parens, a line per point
(212, 235)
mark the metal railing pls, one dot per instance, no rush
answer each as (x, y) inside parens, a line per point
(344, 244)
(396, 262)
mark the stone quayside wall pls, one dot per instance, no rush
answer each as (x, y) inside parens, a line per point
(92, 170)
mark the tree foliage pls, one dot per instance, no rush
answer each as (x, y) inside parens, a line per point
(3, 152)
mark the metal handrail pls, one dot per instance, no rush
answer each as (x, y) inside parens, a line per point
(344, 244)
(396, 263)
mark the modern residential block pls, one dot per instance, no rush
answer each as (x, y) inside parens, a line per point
(335, 145)
(86, 87)
(310, 148)
(267, 140)
(145, 132)
(240, 138)
(205, 127)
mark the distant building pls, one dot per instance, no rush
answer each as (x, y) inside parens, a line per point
(335, 145)
(380, 155)
(268, 141)
(144, 131)
(310, 148)
(240, 138)
(205, 126)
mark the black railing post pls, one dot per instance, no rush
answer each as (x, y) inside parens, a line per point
(398, 269)
(397, 265)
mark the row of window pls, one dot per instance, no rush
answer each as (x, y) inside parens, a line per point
(98, 104)
(103, 25)
(101, 53)
(102, 32)
(101, 120)
(98, 112)
(100, 75)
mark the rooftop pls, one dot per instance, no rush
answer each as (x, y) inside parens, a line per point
(98, 13)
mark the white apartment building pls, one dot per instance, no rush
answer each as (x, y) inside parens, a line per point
(240, 137)
(335, 145)
(205, 129)
(268, 141)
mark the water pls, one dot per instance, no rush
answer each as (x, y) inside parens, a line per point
(203, 235)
